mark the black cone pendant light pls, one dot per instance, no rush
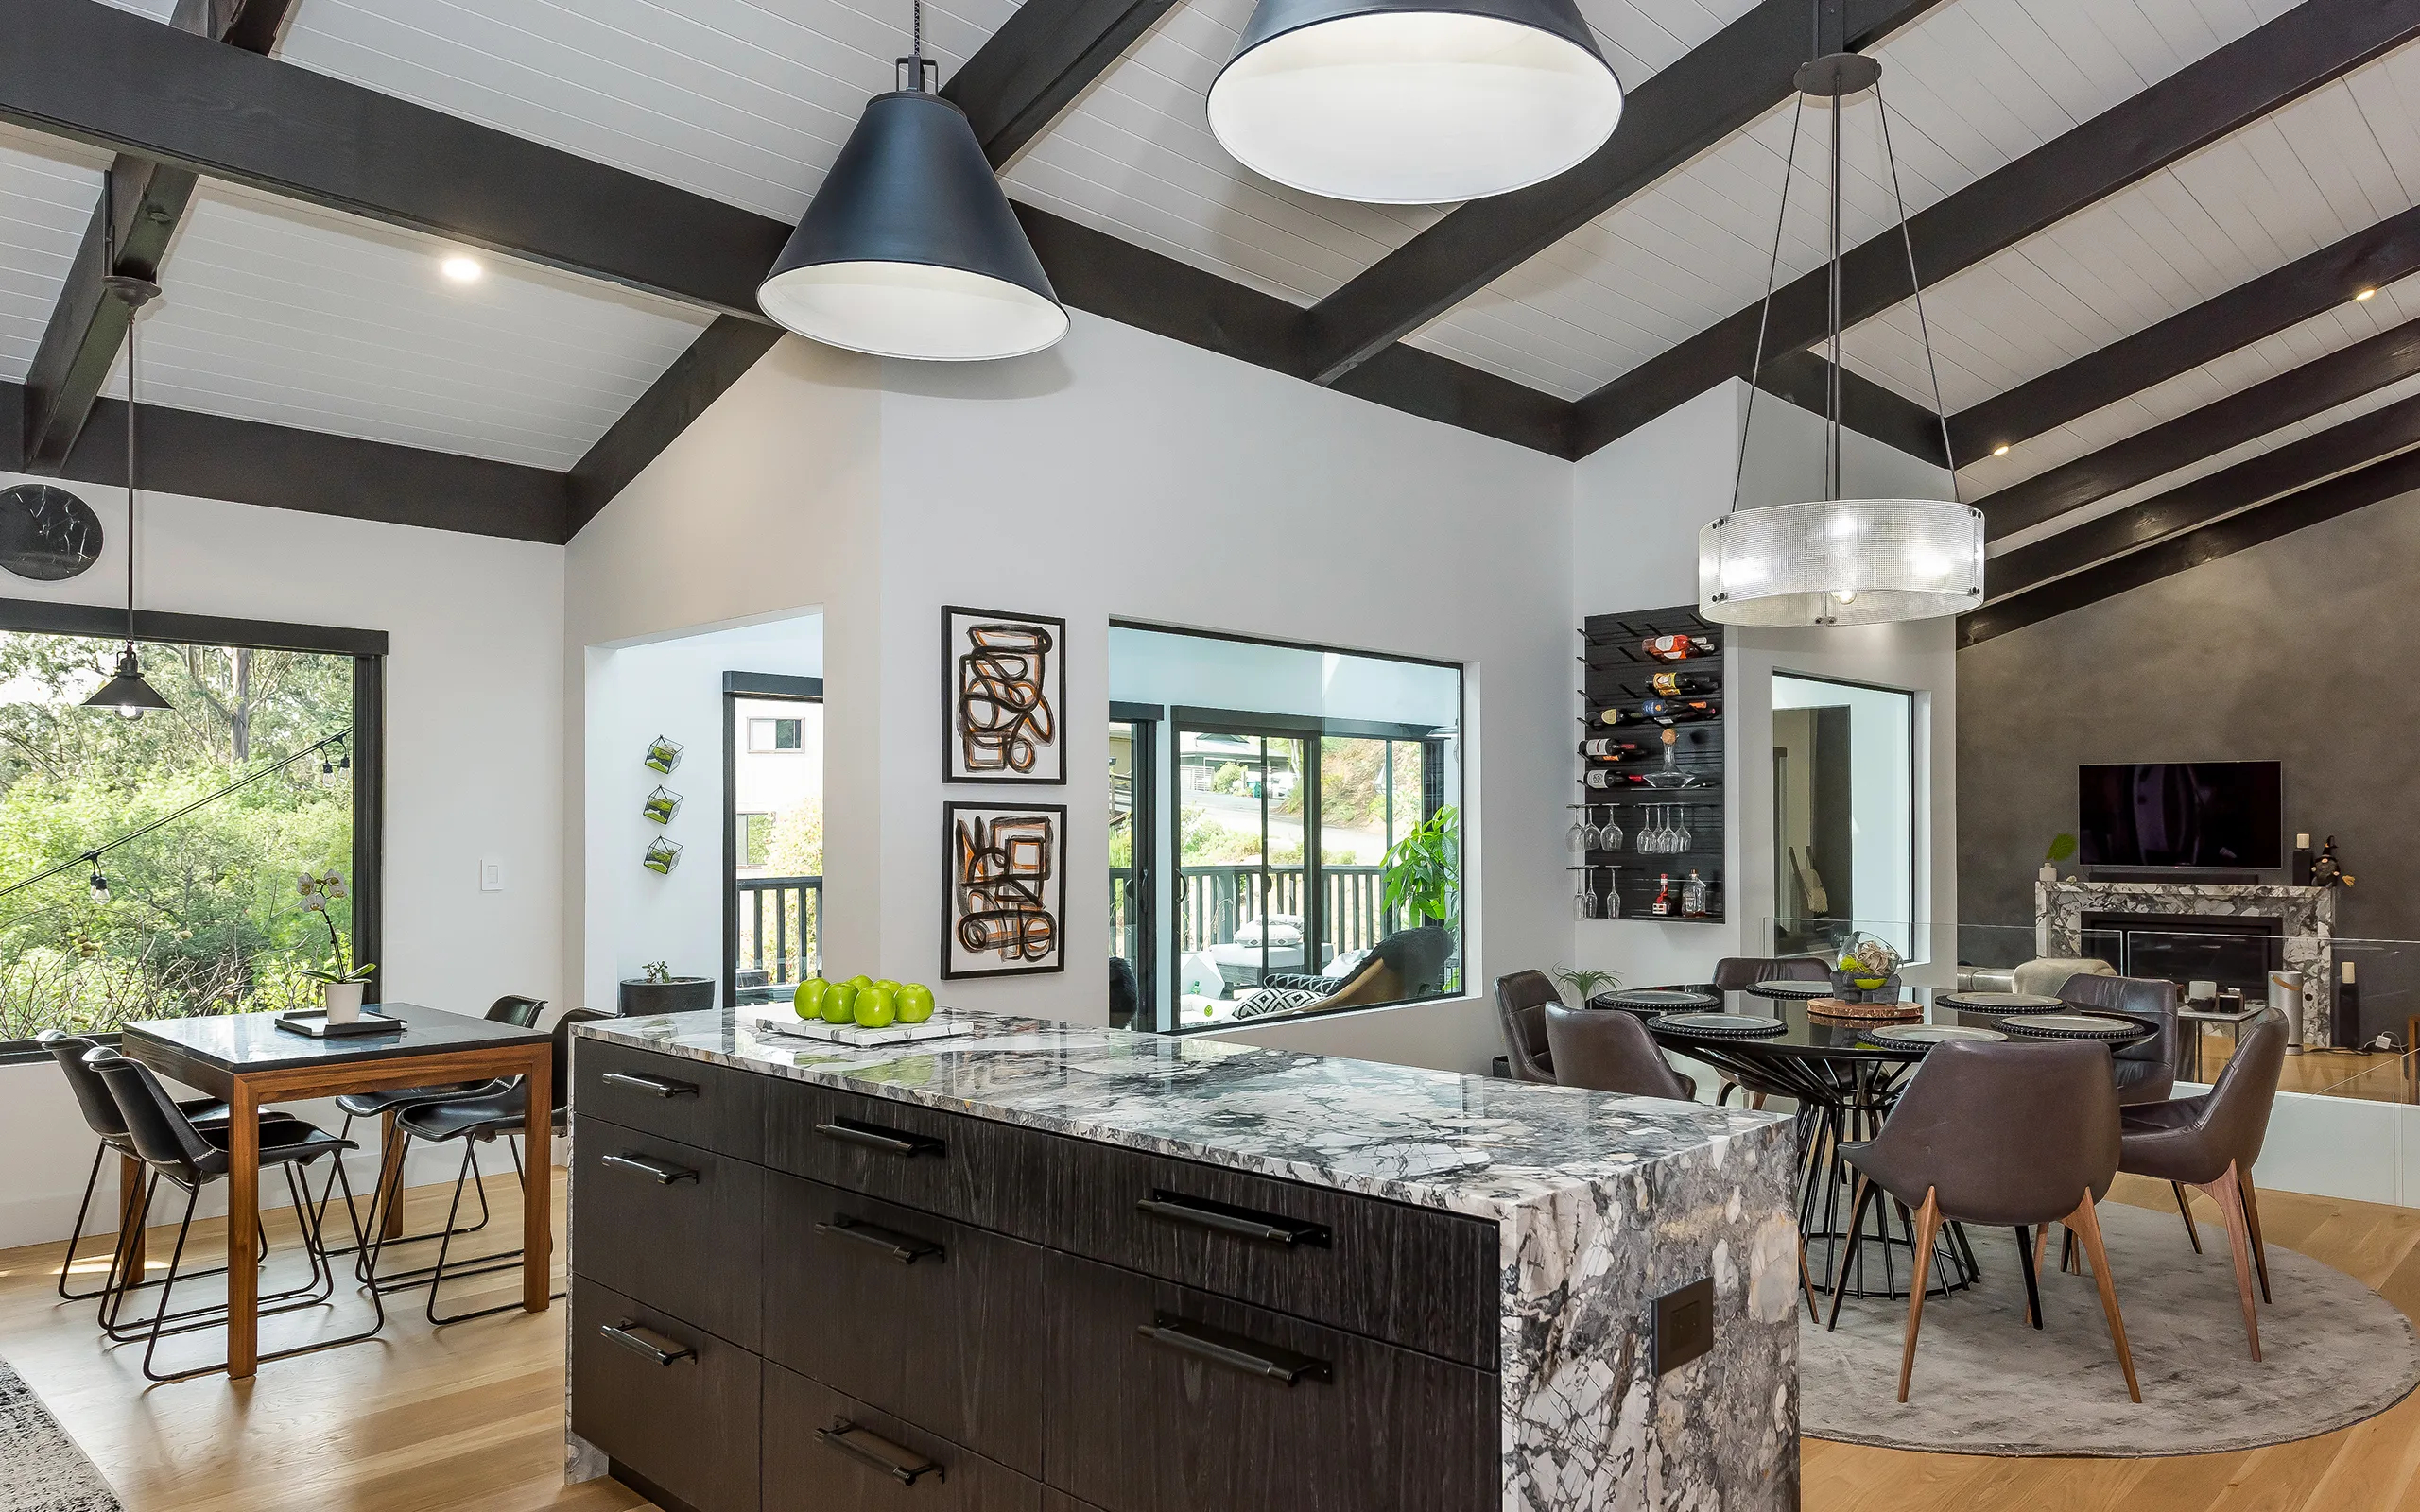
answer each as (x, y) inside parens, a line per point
(127, 692)
(909, 249)
(1414, 101)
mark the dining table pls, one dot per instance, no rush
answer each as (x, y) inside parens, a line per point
(249, 1062)
(1843, 1075)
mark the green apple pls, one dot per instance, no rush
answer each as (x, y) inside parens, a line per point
(915, 1003)
(808, 1000)
(840, 1003)
(875, 1008)
(888, 986)
(861, 981)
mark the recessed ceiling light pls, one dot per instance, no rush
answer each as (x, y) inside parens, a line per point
(2000, 450)
(460, 269)
(2366, 294)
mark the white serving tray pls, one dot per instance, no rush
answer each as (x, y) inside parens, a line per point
(942, 1025)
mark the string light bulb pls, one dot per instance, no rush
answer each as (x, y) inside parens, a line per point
(100, 884)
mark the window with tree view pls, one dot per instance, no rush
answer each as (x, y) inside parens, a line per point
(174, 896)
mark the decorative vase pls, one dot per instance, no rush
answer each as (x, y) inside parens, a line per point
(2050, 872)
(1853, 989)
(641, 998)
(341, 1001)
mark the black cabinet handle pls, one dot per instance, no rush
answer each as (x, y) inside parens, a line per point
(651, 1084)
(1233, 1352)
(905, 1249)
(641, 1340)
(902, 1465)
(665, 1172)
(1241, 1222)
(873, 1137)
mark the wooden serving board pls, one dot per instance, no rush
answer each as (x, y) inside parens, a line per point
(1862, 1012)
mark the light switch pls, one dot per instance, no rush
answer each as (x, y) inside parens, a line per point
(490, 876)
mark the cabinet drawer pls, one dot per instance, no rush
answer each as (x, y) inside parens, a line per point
(964, 1168)
(910, 1314)
(689, 1425)
(1410, 1276)
(1167, 1400)
(669, 1222)
(825, 1451)
(711, 1107)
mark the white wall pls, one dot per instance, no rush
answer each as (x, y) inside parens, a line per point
(474, 719)
(1148, 667)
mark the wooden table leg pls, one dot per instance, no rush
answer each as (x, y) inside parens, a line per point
(537, 1187)
(131, 1174)
(243, 1217)
(391, 1147)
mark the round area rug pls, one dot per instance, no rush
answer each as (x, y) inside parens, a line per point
(2333, 1352)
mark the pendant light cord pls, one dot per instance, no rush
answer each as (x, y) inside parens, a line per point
(130, 475)
(1923, 332)
(1764, 314)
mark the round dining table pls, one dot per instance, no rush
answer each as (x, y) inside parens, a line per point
(1844, 1081)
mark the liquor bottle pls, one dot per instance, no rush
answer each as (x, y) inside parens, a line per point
(1662, 907)
(1677, 684)
(1679, 711)
(1606, 781)
(1606, 748)
(1693, 895)
(1677, 648)
(2300, 875)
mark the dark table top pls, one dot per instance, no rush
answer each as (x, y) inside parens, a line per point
(253, 1042)
(1808, 1038)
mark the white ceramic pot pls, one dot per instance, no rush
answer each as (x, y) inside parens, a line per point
(342, 1001)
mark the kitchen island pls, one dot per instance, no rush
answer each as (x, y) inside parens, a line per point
(1043, 1267)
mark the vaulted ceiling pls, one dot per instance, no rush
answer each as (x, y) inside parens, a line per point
(2140, 225)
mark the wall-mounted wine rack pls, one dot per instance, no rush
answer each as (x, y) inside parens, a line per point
(1616, 675)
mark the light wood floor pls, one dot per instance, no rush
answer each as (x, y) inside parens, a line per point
(470, 1419)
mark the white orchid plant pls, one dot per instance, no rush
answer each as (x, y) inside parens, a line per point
(319, 889)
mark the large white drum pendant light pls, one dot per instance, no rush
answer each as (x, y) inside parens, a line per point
(909, 249)
(1835, 561)
(1411, 102)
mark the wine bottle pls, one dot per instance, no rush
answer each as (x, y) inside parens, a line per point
(1665, 712)
(1606, 748)
(1678, 685)
(1662, 907)
(1604, 779)
(1694, 896)
(1677, 648)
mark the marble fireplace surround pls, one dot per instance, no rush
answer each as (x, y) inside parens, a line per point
(2306, 916)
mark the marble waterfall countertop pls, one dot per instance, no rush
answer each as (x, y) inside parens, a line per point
(1602, 1203)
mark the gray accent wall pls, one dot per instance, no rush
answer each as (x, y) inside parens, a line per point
(2303, 650)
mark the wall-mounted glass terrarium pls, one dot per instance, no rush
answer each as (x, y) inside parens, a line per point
(661, 805)
(662, 855)
(663, 753)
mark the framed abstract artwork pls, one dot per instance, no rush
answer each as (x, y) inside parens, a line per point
(1003, 682)
(1004, 889)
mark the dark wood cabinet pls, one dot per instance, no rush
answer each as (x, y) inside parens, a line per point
(872, 1304)
(909, 1312)
(667, 1399)
(1169, 1400)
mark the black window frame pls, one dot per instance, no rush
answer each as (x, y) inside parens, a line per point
(735, 686)
(369, 650)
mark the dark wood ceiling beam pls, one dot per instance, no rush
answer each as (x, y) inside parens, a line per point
(88, 323)
(2341, 448)
(1866, 408)
(2368, 259)
(2388, 479)
(1709, 92)
(718, 358)
(1044, 56)
(2315, 42)
(2298, 393)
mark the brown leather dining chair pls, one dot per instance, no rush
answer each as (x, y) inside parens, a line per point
(1610, 1051)
(2146, 1072)
(2210, 1141)
(2010, 1135)
(1520, 1001)
(1736, 973)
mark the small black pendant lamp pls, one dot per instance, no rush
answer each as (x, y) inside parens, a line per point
(909, 249)
(127, 692)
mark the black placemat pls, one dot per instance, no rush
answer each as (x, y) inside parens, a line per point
(1923, 1035)
(1789, 990)
(2071, 1027)
(1721, 1025)
(1997, 1002)
(1658, 999)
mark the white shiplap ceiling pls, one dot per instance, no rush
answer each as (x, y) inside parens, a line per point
(47, 190)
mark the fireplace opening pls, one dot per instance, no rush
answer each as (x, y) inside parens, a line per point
(2233, 952)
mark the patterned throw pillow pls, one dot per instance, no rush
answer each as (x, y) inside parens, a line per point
(1277, 999)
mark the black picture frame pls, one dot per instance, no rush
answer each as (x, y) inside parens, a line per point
(1050, 763)
(1051, 896)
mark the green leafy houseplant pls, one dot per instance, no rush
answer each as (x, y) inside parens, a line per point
(1583, 982)
(2062, 847)
(319, 889)
(1423, 870)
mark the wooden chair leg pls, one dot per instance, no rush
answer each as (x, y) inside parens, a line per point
(2228, 1193)
(2185, 1206)
(2085, 1223)
(1807, 1282)
(2041, 1243)
(1757, 1101)
(1927, 1228)
(2252, 1217)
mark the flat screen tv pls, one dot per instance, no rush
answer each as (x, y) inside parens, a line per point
(2210, 815)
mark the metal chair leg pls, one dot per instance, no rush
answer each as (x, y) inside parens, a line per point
(1865, 1190)
(319, 1214)
(2032, 1293)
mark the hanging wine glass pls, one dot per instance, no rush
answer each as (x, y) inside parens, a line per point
(1576, 839)
(1613, 892)
(1682, 838)
(1609, 833)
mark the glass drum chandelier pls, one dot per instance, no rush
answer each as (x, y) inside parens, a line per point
(1835, 561)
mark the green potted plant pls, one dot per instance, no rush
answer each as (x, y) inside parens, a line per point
(1581, 982)
(2062, 847)
(1424, 876)
(657, 990)
(342, 980)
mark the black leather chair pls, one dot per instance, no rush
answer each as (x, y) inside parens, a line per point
(1520, 1001)
(2146, 1072)
(1610, 1051)
(2014, 1135)
(177, 1152)
(475, 1120)
(2210, 1141)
